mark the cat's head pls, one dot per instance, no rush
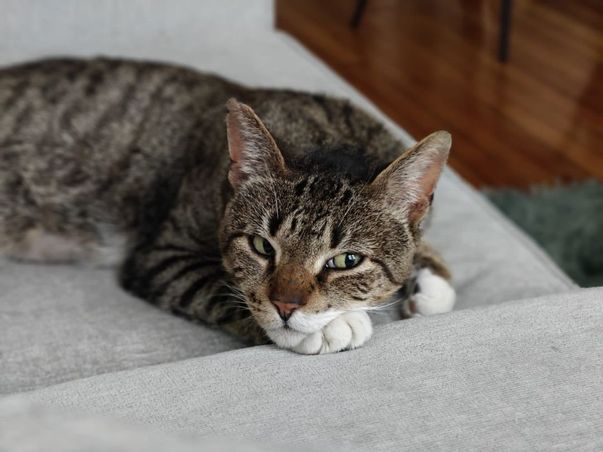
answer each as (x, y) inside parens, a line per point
(306, 247)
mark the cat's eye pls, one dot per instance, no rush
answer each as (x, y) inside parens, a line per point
(343, 261)
(262, 246)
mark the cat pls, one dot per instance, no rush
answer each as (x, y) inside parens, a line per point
(285, 229)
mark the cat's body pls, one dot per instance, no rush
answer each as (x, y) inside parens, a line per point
(127, 163)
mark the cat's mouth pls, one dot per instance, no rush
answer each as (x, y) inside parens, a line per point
(284, 326)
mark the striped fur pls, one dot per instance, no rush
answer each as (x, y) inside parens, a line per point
(111, 160)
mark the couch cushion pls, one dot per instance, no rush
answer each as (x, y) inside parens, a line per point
(60, 323)
(60, 431)
(491, 260)
(518, 376)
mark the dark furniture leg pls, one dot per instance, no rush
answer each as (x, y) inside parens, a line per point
(358, 13)
(505, 25)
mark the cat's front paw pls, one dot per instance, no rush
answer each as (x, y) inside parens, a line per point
(346, 332)
(435, 295)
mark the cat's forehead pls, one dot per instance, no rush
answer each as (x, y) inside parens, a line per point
(313, 215)
(308, 207)
(316, 209)
(326, 188)
(314, 201)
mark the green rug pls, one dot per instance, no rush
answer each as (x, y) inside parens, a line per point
(567, 221)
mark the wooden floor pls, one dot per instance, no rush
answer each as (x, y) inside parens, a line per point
(431, 64)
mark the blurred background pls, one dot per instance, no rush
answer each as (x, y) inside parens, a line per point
(519, 83)
(429, 64)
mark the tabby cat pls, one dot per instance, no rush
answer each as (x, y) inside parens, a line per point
(287, 228)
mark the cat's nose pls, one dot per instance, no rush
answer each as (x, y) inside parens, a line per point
(285, 310)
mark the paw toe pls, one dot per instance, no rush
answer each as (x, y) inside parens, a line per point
(311, 345)
(337, 336)
(362, 328)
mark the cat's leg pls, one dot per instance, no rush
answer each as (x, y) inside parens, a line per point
(431, 290)
(41, 223)
(24, 238)
(38, 245)
(178, 277)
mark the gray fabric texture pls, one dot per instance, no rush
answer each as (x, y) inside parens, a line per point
(26, 427)
(58, 324)
(517, 376)
(491, 260)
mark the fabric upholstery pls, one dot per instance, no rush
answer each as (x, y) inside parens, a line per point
(60, 431)
(62, 323)
(522, 375)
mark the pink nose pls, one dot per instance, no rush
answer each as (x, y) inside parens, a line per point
(285, 309)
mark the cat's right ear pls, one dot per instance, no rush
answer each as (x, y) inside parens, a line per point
(408, 183)
(253, 151)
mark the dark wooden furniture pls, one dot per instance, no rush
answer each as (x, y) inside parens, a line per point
(505, 24)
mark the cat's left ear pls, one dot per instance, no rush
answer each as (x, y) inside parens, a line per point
(408, 183)
(253, 151)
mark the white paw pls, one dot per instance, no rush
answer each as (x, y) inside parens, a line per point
(346, 332)
(435, 295)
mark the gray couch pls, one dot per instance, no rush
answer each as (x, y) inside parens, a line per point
(517, 366)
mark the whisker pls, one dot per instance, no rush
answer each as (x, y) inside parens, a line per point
(376, 308)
